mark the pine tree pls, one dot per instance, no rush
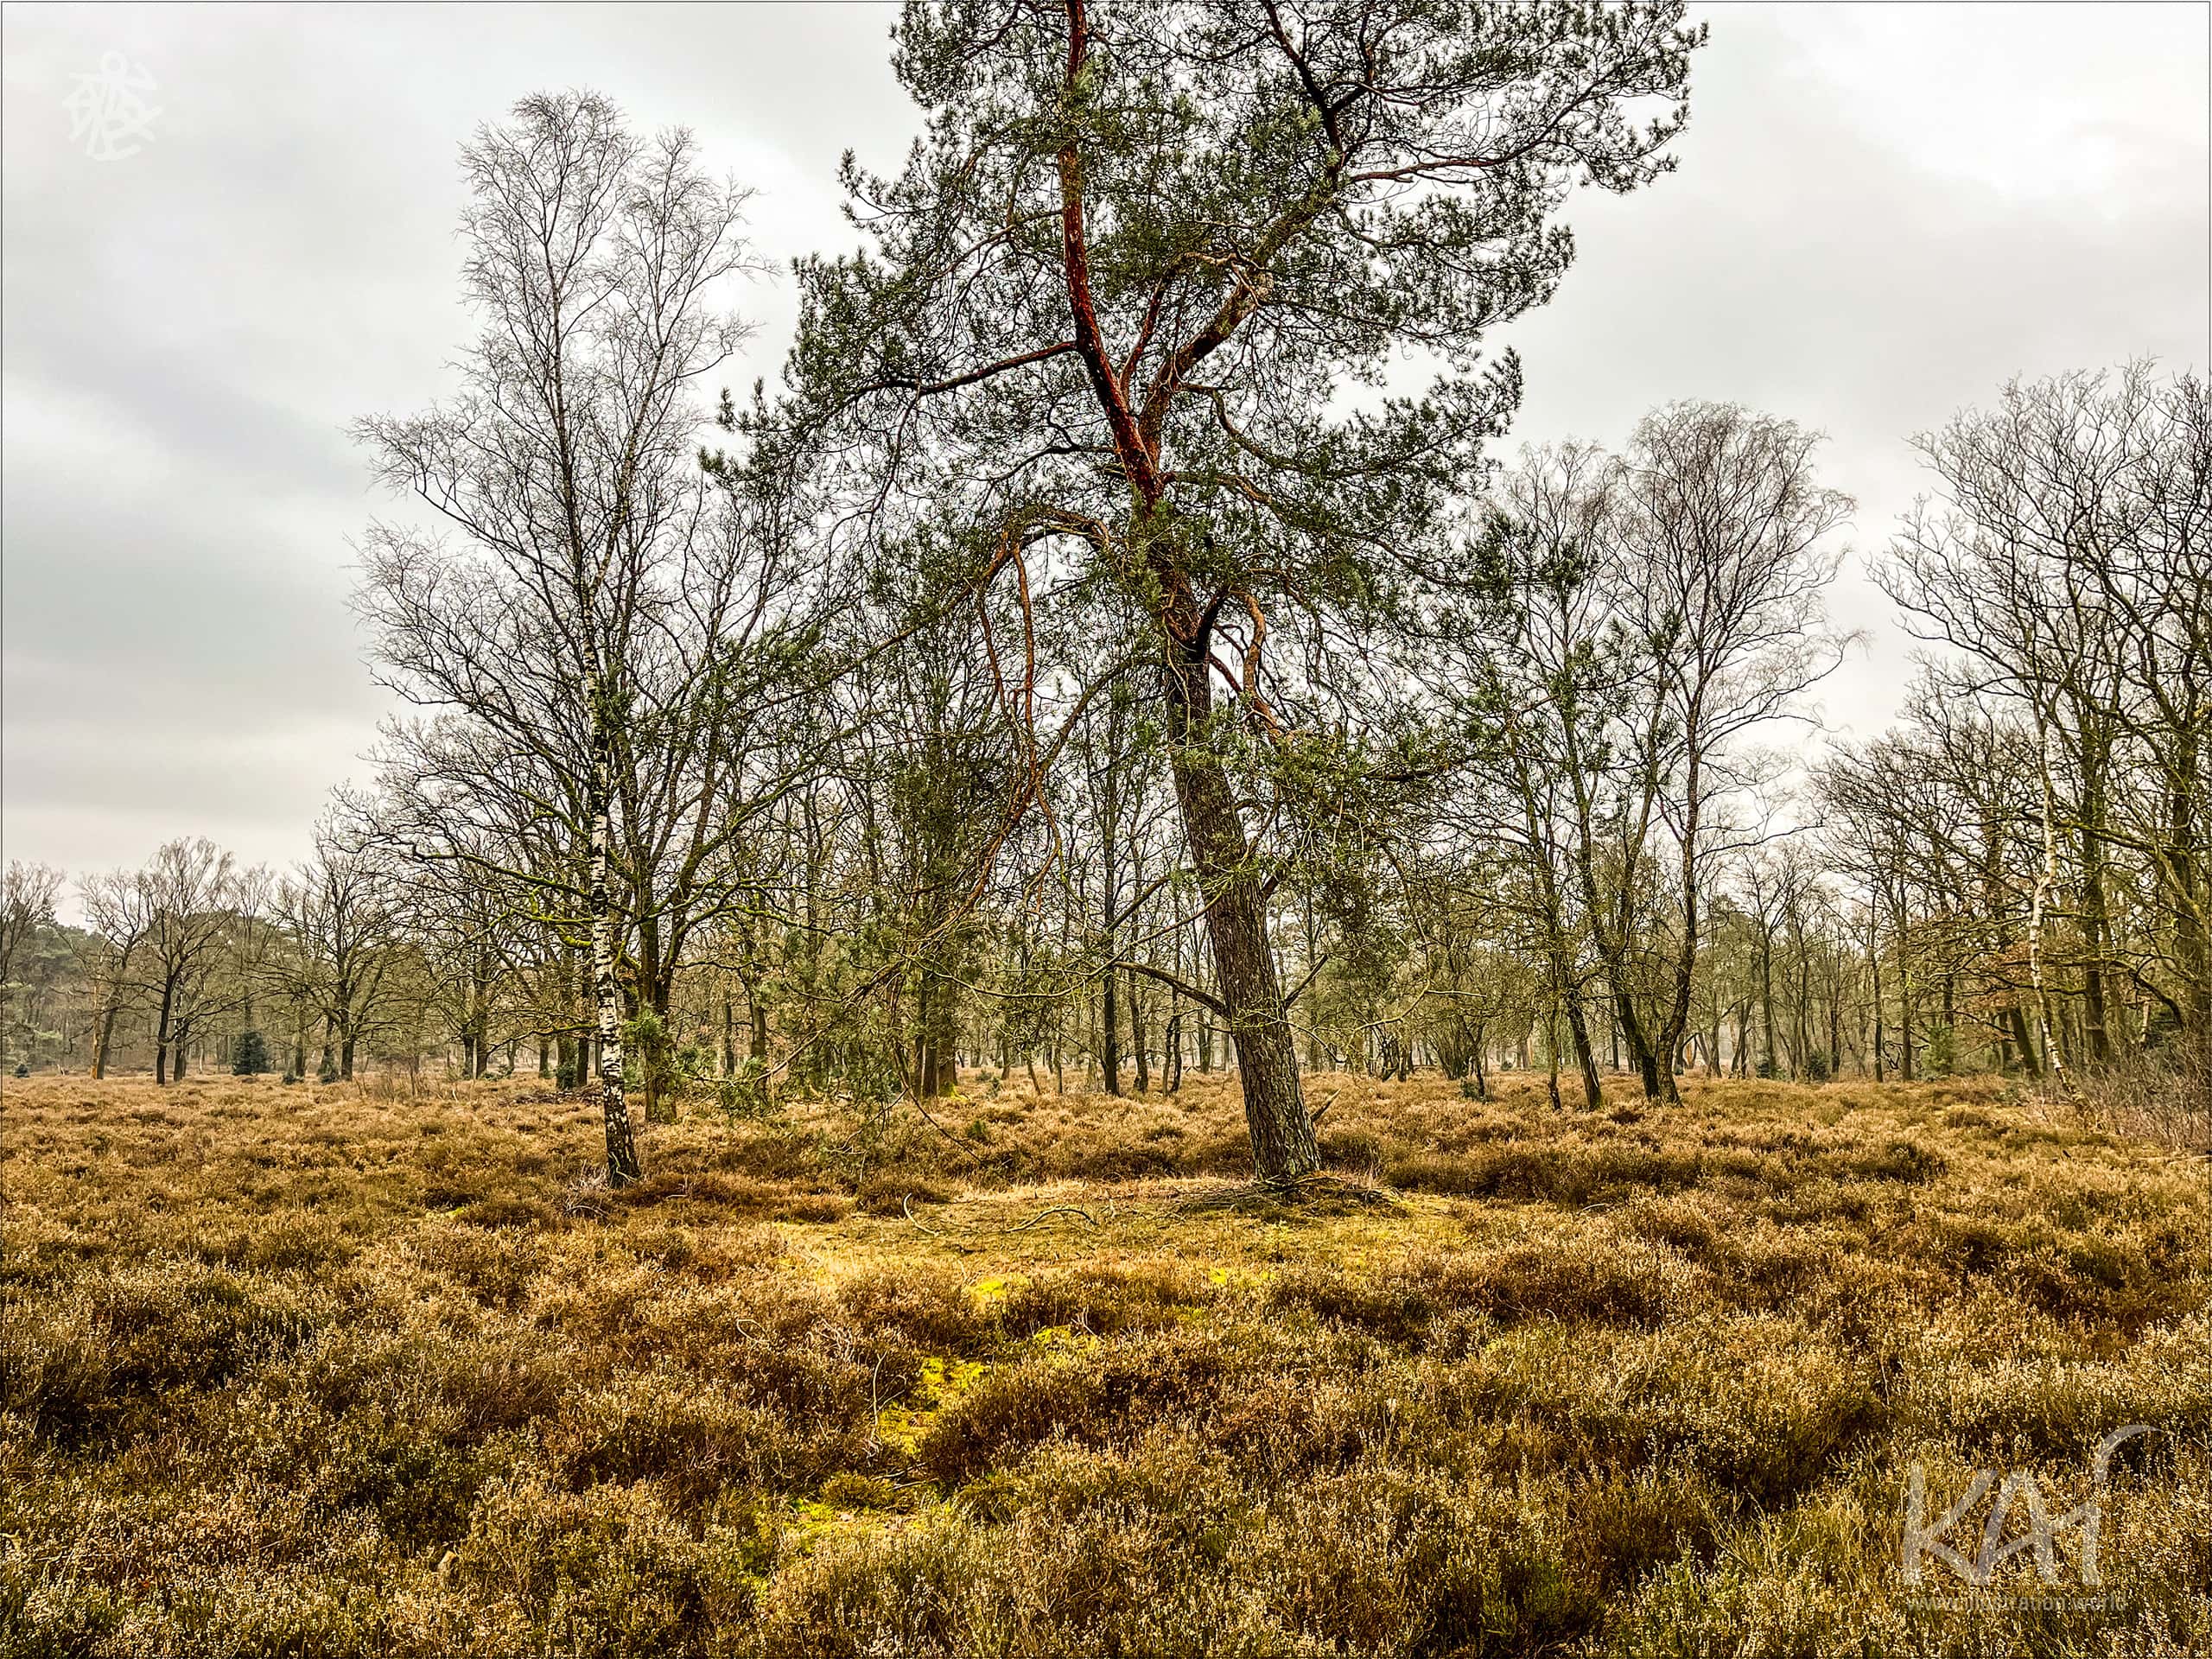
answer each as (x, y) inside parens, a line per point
(1119, 321)
(252, 1058)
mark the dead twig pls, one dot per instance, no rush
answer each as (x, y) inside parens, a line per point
(1055, 1210)
(906, 1205)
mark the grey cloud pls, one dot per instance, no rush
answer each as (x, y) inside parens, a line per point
(186, 332)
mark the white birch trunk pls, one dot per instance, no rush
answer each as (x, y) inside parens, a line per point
(622, 1165)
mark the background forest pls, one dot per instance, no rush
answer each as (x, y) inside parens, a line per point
(1583, 827)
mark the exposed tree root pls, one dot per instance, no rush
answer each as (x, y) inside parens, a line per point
(1322, 1193)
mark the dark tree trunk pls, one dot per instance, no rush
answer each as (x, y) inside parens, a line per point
(2022, 1040)
(1770, 1062)
(1639, 1046)
(162, 1035)
(1109, 1033)
(2096, 1016)
(1578, 1024)
(1244, 968)
(2192, 955)
(1874, 967)
(1137, 1049)
(106, 1036)
(1551, 1056)
(1676, 1021)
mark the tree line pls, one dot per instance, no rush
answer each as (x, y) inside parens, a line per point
(1091, 662)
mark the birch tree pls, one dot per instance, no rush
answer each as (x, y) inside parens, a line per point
(1632, 622)
(1723, 520)
(569, 465)
(1535, 665)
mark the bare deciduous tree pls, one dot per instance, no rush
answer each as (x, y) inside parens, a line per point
(569, 466)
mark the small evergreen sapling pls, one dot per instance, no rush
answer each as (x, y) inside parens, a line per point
(252, 1056)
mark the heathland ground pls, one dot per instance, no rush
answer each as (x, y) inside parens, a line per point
(354, 1369)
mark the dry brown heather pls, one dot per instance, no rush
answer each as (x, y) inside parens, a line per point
(327, 1370)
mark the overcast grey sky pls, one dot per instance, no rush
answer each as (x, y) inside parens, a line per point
(1882, 212)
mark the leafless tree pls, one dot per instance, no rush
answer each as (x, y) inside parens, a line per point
(339, 911)
(185, 916)
(2065, 558)
(569, 465)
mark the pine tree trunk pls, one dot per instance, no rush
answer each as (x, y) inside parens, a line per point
(1244, 969)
